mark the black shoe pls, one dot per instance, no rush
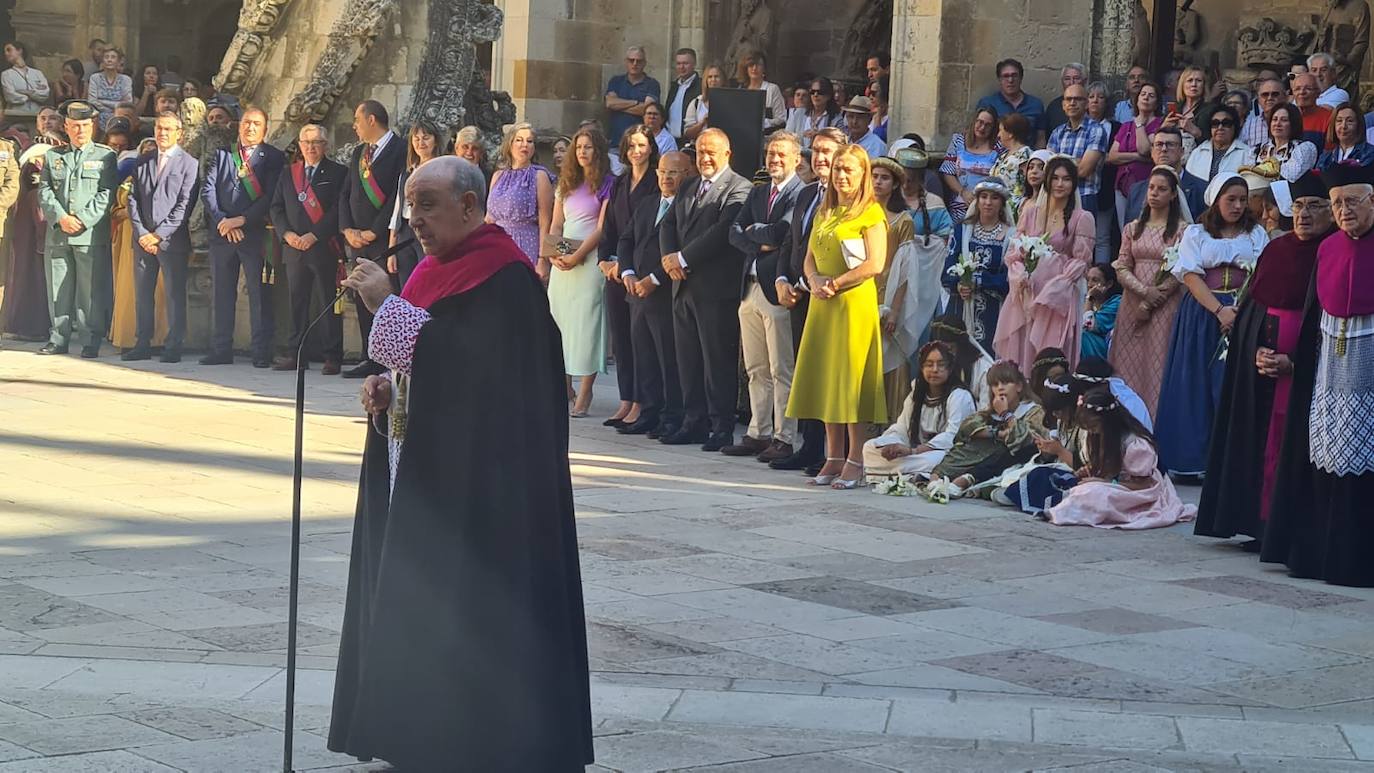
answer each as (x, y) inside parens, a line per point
(170, 355)
(684, 437)
(137, 353)
(662, 431)
(613, 423)
(813, 469)
(641, 427)
(364, 369)
(52, 349)
(90, 352)
(217, 359)
(717, 441)
(796, 461)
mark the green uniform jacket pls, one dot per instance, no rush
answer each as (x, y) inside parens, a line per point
(80, 183)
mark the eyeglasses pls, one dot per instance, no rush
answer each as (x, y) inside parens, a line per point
(631, 60)
(1227, 124)
(1313, 207)
(1165, 145)
(312, 142)
(1271, 95)
(1351, 203)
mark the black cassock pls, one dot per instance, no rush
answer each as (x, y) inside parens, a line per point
(1231, 492)
(464, 644)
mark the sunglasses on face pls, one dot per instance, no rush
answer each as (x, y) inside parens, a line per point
(1227, 124)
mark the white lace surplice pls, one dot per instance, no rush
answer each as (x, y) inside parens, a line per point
(395, 329)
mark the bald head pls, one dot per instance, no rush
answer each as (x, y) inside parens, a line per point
(673, 168)
(447, 197)
(1305, 90)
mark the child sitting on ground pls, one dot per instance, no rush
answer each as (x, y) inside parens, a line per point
(1120, 485)
(993, 439)
(931, 416)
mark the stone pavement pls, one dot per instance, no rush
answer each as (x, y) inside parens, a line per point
(738, 620)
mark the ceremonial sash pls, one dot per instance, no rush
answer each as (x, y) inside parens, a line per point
(374, 192)
(246, 174)
(305, 193)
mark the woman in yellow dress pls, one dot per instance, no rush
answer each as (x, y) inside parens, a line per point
(124, 324)
(839, 373)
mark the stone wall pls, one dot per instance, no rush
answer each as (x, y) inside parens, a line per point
(555, 56)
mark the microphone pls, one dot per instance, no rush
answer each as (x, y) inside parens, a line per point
(293, 605)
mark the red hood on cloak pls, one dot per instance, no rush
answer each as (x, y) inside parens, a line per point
(485, 251)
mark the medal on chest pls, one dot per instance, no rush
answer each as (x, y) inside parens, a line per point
(301, 197)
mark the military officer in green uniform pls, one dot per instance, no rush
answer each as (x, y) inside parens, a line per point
(76, 192)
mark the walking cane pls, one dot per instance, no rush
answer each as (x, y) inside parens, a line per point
(289, 728)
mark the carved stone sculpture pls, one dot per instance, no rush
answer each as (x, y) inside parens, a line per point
(257, 19)
(869, 32)
(1343, 32)
(350, 39)
(488, 110)
(1142, 37)
(753, 32)
(1270, 45)
(448, 76)
(1187, 36)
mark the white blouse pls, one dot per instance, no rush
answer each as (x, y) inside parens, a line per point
(941, 429)
(1198, 251)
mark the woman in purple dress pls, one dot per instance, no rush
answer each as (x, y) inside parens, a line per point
(521, 198)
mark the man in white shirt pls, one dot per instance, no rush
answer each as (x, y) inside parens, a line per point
(685, 88)
(1323, 66)
(858, 117)
(653, 118)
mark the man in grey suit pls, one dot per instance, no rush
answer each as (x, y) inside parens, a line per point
(160, 208)
(706, 270)
(765, 325)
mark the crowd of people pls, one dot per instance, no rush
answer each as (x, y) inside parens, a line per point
(1067, 311)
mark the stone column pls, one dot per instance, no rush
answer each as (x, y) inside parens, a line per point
(917, 73)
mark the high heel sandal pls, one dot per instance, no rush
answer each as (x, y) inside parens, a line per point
(845, 484)
(825, 480)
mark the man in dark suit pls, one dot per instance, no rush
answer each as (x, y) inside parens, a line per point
(365, 205)
(237, 192)
(160, 205)
(791, 287)
(305, 213)
(698, 256)
(650, 295)
(766, 326)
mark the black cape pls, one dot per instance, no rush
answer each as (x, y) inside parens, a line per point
(1319, 523)
(1232, 489)
(464, 645)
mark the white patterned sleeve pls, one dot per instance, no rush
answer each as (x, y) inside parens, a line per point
(395, 329)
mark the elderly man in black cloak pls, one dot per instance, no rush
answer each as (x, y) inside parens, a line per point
(1247, 434)
(464, 646)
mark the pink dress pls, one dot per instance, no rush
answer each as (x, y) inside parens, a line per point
(1045, 308)
(1109, 505)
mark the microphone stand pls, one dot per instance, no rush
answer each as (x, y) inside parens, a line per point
(291, 624)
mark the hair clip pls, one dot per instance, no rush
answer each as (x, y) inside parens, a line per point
(1100, 408)
(1062, 389)
(1090, 379)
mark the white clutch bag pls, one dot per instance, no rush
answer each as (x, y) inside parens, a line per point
(854, 253)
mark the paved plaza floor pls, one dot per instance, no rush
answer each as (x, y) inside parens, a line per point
(738, 620)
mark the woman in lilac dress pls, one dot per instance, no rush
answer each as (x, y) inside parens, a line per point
(521, 198)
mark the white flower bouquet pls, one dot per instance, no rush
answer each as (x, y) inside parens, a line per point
(1033, 250)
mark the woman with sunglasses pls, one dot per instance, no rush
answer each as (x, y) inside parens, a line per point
(822, 112)
(1222, 153)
